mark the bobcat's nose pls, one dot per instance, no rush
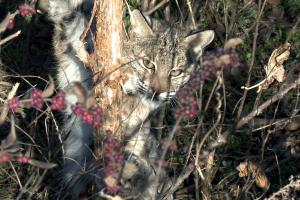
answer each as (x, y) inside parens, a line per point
(155, 90)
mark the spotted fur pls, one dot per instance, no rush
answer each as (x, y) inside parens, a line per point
(160, 62)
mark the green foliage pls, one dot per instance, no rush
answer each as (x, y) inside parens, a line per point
(292, 7)
(28, 18)
(133, 3)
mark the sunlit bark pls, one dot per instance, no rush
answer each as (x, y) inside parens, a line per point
(106, 62)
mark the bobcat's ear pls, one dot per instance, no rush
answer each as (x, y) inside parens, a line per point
(139, 24)
(199, 41)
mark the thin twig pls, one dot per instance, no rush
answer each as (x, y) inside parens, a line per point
(267, 103)
(8, 38)
(5, 109)
(214, 126)
(37, 184)
(287, 190)
(254, 46)
(191, 12)
(197, 132)
(223, 137)
(164, 153)
(179, 9)
(159, 5)
(23, 190)
(293, 30)
(207, 134)
(17, 176)
(5, 22)
(95, 6)
(184, 175)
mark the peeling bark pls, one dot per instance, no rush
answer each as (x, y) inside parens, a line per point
(106, 62)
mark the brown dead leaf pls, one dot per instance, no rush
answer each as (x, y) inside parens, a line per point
(243, 169)
(249, 168)
(232, 43)
(274, 69)
(262, 181)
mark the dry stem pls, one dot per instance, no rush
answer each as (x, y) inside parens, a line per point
(244, 120)
(10, 37)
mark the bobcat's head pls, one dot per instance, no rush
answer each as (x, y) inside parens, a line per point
(162, 61)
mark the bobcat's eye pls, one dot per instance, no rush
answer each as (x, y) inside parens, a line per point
(148, 64)
(176, 72)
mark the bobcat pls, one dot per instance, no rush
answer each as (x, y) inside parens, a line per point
(160, 62)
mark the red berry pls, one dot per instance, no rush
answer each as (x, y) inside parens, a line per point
(36, 99)
(26, 10)
(23, 159)
(11, 24)
(58, 101)
(77, 109)
(4, 159)
(112, 190)
(14, 103)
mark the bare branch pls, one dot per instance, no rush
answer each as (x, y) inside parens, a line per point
(244, 120)
(288, 191)
(8, 38)
(159, 5)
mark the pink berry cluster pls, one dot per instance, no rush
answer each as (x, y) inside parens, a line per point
(92, 116)
(21, 159)
(26, 10)
(216, 60)
(14, 103)
(4, 158)
(188, 104)
(58, 101)
(37, 100)
(112, 153)
(212, 62)
(188, 107)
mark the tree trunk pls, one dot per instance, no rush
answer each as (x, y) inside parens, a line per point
(106, 67)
